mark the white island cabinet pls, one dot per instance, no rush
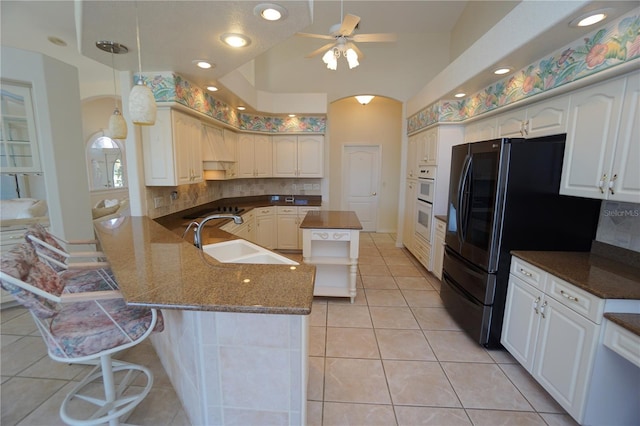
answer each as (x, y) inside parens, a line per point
(554, 330)
(331, 242)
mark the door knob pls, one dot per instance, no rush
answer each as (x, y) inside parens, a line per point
(374, 194)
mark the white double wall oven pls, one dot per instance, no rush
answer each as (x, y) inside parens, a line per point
(424, 203)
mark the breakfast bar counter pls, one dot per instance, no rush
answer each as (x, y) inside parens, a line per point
(235, 342)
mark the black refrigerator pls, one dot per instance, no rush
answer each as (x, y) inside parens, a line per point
(504, 196)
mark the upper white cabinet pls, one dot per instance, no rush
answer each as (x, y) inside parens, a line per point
(427, 147)
(172, 149)
(540, 119)
(18, 143)
(481, 130)
(254, 155)
(602, 153)
(412, 157)
(214, 147)
(298, 156)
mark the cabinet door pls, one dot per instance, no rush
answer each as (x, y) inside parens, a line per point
(263, 152)
(511, 124)
(288, 231)
(195, 150)
(547, 118)
(285, 156)
(593, 123)
(302, 212)
(266, 227)
(157, 145)
(181, 134)
(564, 355)
(18, 144)
(408, 229)
(521, 321)
(245, 154)
(431, 148)
(310, 155)
(412, 157)
(482, 130)
(624, 183)
(438, 248)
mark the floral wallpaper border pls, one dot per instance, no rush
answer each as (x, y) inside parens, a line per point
(171, 87)
(612, 45)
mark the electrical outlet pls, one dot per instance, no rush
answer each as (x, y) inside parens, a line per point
(158, 202)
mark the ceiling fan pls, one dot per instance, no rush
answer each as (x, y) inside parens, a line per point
(343, 42)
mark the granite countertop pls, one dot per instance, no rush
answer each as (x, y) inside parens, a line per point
(157, 268)
(442, 217)
(331, 219)
(599, 275)
(630, 322)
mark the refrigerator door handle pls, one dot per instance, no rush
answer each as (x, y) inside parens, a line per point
(463, 199)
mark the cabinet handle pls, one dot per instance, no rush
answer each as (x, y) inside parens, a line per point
(525, 273)
(601, 183)
(535, 305)
(526, 127)
(542, 309)
(522, 128)
(611, 183)
(568, 296)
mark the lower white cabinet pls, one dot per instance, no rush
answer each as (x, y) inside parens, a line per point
(553, 329)
(289, 219)
(266, 227)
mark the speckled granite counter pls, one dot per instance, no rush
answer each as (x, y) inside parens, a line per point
(331, 219)
(630, 322)
(155, 267)
(442, 217)
(601, 276)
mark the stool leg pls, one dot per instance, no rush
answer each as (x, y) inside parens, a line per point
(109, 384)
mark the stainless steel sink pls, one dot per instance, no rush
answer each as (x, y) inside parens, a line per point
(243, 251)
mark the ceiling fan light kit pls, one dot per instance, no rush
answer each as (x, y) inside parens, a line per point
(343, 42)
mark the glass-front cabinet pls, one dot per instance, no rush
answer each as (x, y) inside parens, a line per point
(18, 142)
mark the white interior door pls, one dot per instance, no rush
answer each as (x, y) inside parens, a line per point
(361, 179)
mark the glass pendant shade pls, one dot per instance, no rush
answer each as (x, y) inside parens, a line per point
(117, 125)
(142, 105)
(352, 58)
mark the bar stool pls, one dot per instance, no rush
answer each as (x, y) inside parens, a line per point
(84, 327)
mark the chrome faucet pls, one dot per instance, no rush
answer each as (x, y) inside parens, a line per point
(197, 235)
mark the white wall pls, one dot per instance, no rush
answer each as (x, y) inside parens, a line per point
(56, 100)
(378, 123)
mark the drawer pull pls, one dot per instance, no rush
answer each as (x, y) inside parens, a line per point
(542, 309)
(568, 296)
(523, 272)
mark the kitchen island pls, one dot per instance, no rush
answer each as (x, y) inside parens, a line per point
(331, 242)
(236, 335)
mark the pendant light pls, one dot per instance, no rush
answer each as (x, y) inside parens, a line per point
(117, 124)
(142, 104)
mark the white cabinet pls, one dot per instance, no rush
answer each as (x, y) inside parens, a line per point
(18, 142)
(438, 247)
(231, 143)
(172, 149)
(553, 329)
(602, 153)
(412, 157)
(422, 252)
(298, 156)
(540, 119)
(289, 232)
(481, 130)
(427, 146)
(245, 230)
(335, 254)
(409, 226)
(266, 233)
(254, 156)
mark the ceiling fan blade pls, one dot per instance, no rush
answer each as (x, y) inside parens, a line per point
(320, 36)
(320, 50)
(348, 24)
(376, 38)
(355, 48)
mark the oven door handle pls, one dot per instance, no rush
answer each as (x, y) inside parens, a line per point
(462, 204)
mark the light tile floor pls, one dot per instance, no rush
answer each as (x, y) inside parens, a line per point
(394, 357)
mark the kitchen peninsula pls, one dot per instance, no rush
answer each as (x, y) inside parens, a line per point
(235, 339)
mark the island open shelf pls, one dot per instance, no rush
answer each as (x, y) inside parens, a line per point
(331, 242)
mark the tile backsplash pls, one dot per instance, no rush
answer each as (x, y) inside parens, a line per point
(619, 225)
(174, 199)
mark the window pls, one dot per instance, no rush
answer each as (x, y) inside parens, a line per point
(105, 163)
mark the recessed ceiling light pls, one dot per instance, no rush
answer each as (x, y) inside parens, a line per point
(292, 115)
(500, 71)
(460, 95)
(200, 63)
(235, 40)
(241, 108)
(590, 18)
(270, 11)
(57, 41)
(212, 88)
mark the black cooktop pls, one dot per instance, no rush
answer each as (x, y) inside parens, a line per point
(216, 210)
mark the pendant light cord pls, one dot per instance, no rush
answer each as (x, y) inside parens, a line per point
(113, 68)
(138, 43)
